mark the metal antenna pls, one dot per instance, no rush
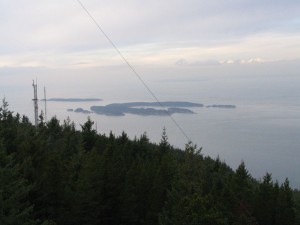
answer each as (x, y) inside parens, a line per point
(35, 103)
(45, 104)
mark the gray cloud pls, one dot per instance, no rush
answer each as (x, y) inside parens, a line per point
(184, 62)
(55, 28)
(197, 20)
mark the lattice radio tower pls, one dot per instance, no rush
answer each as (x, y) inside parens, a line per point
(45, 98)
(35, 104)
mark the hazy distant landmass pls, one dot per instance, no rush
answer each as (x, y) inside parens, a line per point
(81, 110)
(144, 108)
(179, 110)
(147, 108)
(222, 106)
(156, 104)
(73, 99)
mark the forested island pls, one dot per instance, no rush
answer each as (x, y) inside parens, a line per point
(142, 108)
(222, 106)
(59, 175)
(147, 108)
(81, 110)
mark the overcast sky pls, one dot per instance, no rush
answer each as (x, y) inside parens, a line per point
(59, 34)
(190, 50)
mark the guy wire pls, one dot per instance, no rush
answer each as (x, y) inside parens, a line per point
(134, 71)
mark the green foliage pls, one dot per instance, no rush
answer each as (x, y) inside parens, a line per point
(88, 135)
(57, 175)
(14, 189)
(296, 196)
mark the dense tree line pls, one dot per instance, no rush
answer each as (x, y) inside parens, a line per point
(59, 175)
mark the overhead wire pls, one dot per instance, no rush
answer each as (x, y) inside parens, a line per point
(134, 71)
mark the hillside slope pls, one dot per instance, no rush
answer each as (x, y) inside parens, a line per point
(57, 174)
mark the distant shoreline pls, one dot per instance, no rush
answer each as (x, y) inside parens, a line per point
(147, 108)
(221, 106)
(73, 99)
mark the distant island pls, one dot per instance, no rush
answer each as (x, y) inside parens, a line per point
(222, 106)
(81, 110)
(145, 108)
(72, 99)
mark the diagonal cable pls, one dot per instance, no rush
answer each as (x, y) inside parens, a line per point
(134, 71)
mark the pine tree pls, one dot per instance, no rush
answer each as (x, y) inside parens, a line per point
(14, 189)
(88, 135)
(285, 213)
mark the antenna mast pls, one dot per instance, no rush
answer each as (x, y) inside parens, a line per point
(35, 103)
(45, 104)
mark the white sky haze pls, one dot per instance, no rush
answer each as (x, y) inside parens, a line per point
(59, 34)
(240, 52)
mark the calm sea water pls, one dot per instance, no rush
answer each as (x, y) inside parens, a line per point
(263, 131)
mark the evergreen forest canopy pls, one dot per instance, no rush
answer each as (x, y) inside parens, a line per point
(58, 175)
